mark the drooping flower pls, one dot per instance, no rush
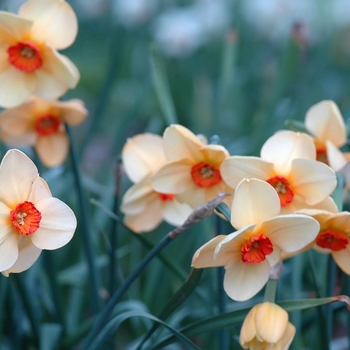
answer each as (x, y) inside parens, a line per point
(29, 62)
(145, 208)
(256, 246)
(325, 122)
(31, 219)
(266, 326)
(334, 235)
(288, 163)
(193, 168)
(40, 123)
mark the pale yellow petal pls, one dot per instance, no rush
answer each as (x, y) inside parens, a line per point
(214, 154)
(13, 28)
(40, 190)
(281, 148)
(52, 149)
(181, 143)
(285, 341)
(8, 248)
(325, 122)
(204, 256)
(27, 255)
(55, 22)
(336, 158)
(176, 213)
(236, 168)
(174, 177)
(312, 180)
(291, 232)
(342, 258)
(15, 87)
(248, 330)
(57, 74)
(193, 195)
(271, 322)
(17, 174)
(18, 140)
(73, 112)
(255, 201)
(57, 224)
(243, 281)
(142, 154)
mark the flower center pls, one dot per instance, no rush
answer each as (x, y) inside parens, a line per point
(25, 56)
(164, 197)
(321, 154)
(25, 218)
(256, 249)
(282, 188)
(47, 124)
(205, 175)
(332, 239)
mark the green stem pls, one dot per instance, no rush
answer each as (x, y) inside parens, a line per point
(270, 291)
(85, 225)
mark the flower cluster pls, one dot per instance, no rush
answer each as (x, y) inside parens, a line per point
(280, 205)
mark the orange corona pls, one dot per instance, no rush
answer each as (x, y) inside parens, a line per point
(332, 239)
(283, 189)
(25, 56)
(205, 175)
(164, 197)
(47, 124)
(25, 218)
(256, 249)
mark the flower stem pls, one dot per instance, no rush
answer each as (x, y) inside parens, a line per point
(270, 290)
(85, 226)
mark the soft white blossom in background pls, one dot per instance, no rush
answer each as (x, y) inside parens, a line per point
(134, 12)
(181, 31)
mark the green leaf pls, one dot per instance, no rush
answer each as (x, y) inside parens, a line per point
(103, 339)
(50, 335)
(223, 209)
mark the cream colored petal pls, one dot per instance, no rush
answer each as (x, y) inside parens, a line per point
(281, 148)
(243, 281)
(275, 257)
(15, 87)
(137, 197)
(312, 180)
(327, 204)
(13, 27)
(336, 158)
(214, 154)
(53, 149)
(142, 154)
(73, 112)
(248, 330)
(193, 195)
(285, 341)
(291, 232)
(340, 221)
(255, 201)
(148, 219)
(56, 76)
(325, 121)
(55, 22)
(40, 190)
(18, 140)
(28, 254)
(4, 61)
(8, 247)
(342, 259)
(204, 256)
(236, 168)
(271, 322)
(57, 224)
(181, 143)
(174, 177)
(17, 174)
(176, 213)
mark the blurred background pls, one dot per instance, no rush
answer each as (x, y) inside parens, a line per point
(236, 69)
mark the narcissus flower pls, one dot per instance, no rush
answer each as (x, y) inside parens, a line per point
(193, 168)
(145, 208)
(250, 252)
(334, 236)
(31, 219)
(29, 62)
(288, 163)
(40, 123)
(325, 122)
(266, 327)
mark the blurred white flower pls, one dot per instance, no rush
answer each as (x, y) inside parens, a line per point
(134, 12)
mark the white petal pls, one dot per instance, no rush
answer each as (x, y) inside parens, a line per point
(57, 224)
(55, 22)
(176, 213)
(254, 202)
(17, 174)
(336, 158)
(40, 190)
(281, 148)
(8, 247)
(342, 259)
